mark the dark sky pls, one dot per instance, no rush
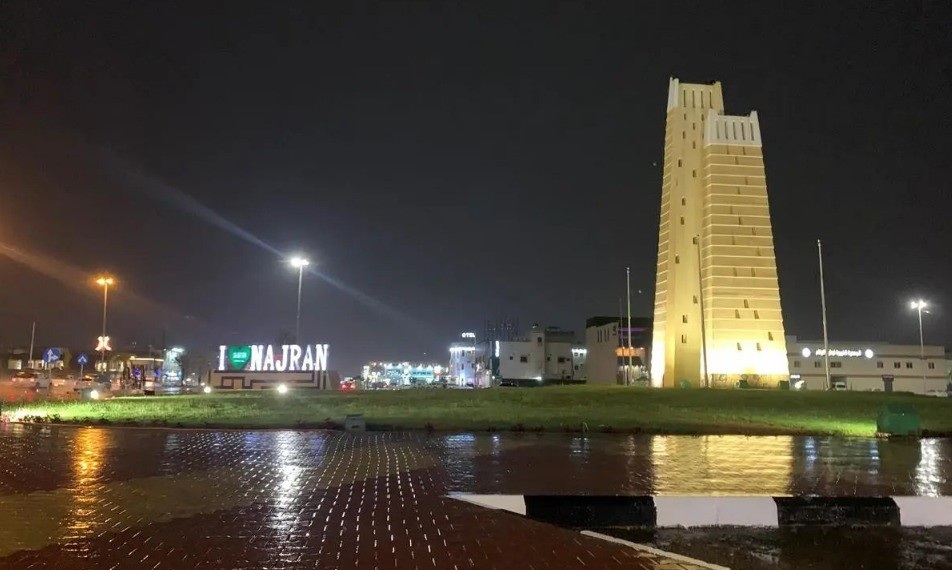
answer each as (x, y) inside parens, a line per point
(451, 162)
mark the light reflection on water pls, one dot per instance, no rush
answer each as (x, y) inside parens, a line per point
(699, 465)
(87, 455)
(928, 476)
(732, 464)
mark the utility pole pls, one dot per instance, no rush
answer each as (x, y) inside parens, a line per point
(826, 339)
(32, 338)
(621, 345)
(628, 332)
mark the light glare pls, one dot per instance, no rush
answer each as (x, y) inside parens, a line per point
(282, 389)
(299, 262)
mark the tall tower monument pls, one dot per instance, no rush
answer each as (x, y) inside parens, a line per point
(715, 250)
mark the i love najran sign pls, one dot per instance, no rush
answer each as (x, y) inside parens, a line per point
(273, 358)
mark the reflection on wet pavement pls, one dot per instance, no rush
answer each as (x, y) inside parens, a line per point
(810, 548)
(99, 497)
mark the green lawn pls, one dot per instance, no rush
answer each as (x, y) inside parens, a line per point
(551, 408)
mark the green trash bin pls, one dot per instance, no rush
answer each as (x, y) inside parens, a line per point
(783, 385)
(898, 419)
(682, 383)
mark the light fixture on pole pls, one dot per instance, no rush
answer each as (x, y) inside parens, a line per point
(300, 263)
(919, 305)
(104, 282)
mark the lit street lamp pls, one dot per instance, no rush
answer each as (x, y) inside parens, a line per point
(300, 263)
(104, 282)
(919, 305)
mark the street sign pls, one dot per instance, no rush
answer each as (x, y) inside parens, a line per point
(51, 355)
(82, 360)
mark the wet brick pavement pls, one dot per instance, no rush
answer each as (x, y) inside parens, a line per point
(141, 498)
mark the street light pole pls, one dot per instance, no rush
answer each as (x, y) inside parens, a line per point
(919, 305)
(300, 263)
(826, 339)
(105, 282)
(630, 349)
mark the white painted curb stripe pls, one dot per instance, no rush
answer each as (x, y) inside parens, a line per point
(512, 503)
(655, 551)
(924, 511)
(716, 511)
(699, 511)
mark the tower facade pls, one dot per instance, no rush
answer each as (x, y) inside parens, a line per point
(717, 298)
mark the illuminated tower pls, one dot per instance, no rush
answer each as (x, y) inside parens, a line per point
(714, 190)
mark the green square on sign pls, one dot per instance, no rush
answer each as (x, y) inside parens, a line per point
(238, 356)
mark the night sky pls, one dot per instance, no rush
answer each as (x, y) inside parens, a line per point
(448, 163)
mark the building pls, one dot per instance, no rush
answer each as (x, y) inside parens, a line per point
(546, 355)
(868, 366)
(715, 250)
(463, 363)
(403, 373)
(609, 359)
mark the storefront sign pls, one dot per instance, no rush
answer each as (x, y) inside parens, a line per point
(839, 352)
(273, 358)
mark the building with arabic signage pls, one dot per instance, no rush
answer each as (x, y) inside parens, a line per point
(868, 366)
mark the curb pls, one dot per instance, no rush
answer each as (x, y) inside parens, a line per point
(592, 512)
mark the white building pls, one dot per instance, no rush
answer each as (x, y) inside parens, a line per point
(545, 355)
(867, 366)
(463, 365)
(610, 361)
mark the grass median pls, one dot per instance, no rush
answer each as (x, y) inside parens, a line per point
(567, 408)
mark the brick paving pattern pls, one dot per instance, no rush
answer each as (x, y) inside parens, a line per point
(154, 499)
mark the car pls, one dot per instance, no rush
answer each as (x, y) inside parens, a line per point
(25, 378)
(92, 382)
(59, 379)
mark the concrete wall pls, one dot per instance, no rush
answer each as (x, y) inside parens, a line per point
(242, 380)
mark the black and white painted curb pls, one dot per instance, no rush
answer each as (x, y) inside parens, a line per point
(592, 512)
(656, 552)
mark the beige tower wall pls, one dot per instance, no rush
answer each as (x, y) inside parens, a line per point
(714, 189)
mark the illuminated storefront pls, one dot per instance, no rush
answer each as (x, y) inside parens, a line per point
(403, 373)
